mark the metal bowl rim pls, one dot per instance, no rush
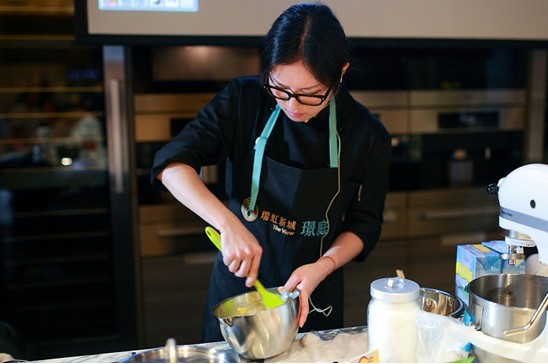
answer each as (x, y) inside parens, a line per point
(292, 297)
(459, 306)
(231, 355)
(505, 277)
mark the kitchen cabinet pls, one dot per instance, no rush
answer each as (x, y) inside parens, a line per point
(175, 290)
(442, 211)
(176, 261)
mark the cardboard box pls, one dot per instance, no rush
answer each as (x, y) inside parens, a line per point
(473, 261)
(477, 260)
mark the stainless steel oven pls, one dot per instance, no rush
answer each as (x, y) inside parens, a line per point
(447, 139)
(466, 110)
(158, 117)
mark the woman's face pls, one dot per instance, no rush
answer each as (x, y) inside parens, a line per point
(296, 79)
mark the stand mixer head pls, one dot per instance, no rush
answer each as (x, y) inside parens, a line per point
(523, 217)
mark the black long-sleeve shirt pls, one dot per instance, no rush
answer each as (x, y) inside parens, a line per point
(228, 126)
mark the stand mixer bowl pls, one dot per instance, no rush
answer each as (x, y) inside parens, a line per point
(501, 303)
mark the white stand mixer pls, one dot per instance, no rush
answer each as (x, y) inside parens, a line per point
(523, 219)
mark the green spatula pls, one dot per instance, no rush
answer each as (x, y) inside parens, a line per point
(270, 300)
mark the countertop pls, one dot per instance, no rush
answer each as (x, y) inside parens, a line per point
(441, 339)
(313, 346)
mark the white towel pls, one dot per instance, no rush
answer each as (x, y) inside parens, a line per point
(344, 348)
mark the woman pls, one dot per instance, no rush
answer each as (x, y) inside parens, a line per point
(307, 171)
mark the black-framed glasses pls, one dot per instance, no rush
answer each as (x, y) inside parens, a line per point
(305, 99)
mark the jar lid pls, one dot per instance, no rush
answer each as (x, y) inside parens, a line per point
(396, 290)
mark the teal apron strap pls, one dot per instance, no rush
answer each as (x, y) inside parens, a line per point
(333, 145)
(260, 145)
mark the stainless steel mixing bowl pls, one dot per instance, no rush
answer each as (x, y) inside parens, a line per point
(173, 353)
(255, 332)
(501, 303)
(440, 302)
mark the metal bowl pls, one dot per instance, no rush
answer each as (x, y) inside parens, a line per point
(172, 353)
(255, 332)
(440, 302)
(503, 305)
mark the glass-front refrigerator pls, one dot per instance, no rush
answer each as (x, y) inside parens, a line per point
(67, 258)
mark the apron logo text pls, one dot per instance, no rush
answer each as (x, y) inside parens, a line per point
(283, 230)
(311, 229)
(289, 227)
(279, 223)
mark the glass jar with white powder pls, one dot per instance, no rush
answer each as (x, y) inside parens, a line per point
(391, 319)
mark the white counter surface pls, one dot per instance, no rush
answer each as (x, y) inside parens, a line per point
(311, 347)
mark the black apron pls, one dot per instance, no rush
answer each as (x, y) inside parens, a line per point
(288, 218)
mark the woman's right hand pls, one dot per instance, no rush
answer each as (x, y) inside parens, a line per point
(241, 252)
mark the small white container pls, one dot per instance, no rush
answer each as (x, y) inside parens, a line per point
(391, 319)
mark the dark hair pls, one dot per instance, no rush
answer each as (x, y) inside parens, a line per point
(309, 32)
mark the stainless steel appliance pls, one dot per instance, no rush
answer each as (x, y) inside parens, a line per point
(159, 117)
(510, 309)
(467, 138)
(523, 214)
(446, 139)
(66, 255)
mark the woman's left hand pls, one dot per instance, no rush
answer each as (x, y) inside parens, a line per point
(306, 278)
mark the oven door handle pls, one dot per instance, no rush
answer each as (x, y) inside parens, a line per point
(459, 213)
(206, 258)
(179, 231)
